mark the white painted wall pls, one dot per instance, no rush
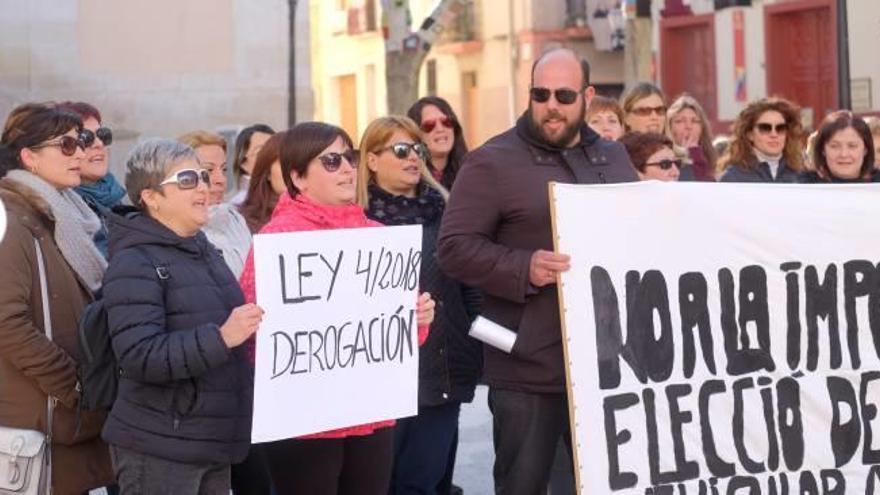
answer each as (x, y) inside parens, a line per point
(756, 74)
(157, 68)
(864, 44)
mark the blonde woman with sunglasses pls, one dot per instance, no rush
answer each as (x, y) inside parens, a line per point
(395, 187)
(644, 109)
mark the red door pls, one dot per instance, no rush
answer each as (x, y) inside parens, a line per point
(801, 44)
(687, 63)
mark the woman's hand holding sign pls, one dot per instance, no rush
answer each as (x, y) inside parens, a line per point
(546, 265)
(425, 309)
(241, 324)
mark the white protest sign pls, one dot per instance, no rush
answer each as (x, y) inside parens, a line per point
(722, 338)
(338, 345)
(2, 220)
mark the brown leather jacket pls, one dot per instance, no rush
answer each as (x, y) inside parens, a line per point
(32, 366)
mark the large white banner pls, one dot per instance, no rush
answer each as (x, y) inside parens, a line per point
(722, 338)
(338, 345)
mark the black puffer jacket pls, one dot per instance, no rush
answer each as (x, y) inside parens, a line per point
(183, 395)
(450, 362)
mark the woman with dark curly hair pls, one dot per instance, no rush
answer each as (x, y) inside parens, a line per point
(765, 145)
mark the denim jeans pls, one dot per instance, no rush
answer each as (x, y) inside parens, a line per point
(422, 447)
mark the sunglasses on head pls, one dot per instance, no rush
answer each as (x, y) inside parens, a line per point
(188, 178)
(564, 96)
(645, 111)
(103, 133)
(429, 125)
(332, 161)
(401, 150)
(665, 164)
(67, 145)
(765, 128)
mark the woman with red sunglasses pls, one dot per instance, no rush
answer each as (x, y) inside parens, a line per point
(443, 136)
(319, 168)
(50, 270)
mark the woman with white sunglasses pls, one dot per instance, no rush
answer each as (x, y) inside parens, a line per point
(177, 320)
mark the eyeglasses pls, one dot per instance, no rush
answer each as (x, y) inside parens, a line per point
(67, 144)
(332, 161)
(429, 125)
(765, 128)
(665, 164)
(188, 178)
(401, 150)
(645, 111)
(103, 133)
(564, 96)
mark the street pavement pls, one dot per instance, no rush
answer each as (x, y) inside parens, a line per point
(473, 464)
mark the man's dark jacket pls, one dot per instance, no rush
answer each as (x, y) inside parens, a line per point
(183, 395)
(497, 216)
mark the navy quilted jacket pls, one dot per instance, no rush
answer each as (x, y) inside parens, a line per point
(183, 395)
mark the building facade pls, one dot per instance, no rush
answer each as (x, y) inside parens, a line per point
(818, 53)
(157, 68)
(481, 63)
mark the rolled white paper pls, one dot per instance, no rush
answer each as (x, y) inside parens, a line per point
(491, 333)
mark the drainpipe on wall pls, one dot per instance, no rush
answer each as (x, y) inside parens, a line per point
(843, 94)
(514, 56)
(291, 70)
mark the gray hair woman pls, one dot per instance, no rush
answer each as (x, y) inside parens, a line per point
(46, 251)
(177, 320)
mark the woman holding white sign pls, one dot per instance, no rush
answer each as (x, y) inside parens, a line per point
(396, 188)
(319, 168)
(177, 319)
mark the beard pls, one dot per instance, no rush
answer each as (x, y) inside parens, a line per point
(564, 136)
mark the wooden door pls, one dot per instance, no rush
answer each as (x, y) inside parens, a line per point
(801, 44)
(687, 60)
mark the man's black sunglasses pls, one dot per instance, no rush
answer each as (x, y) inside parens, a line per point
(564, 96)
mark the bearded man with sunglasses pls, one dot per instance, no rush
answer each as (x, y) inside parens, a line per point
(496, 236)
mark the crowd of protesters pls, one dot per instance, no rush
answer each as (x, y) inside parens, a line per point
(170, 255)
